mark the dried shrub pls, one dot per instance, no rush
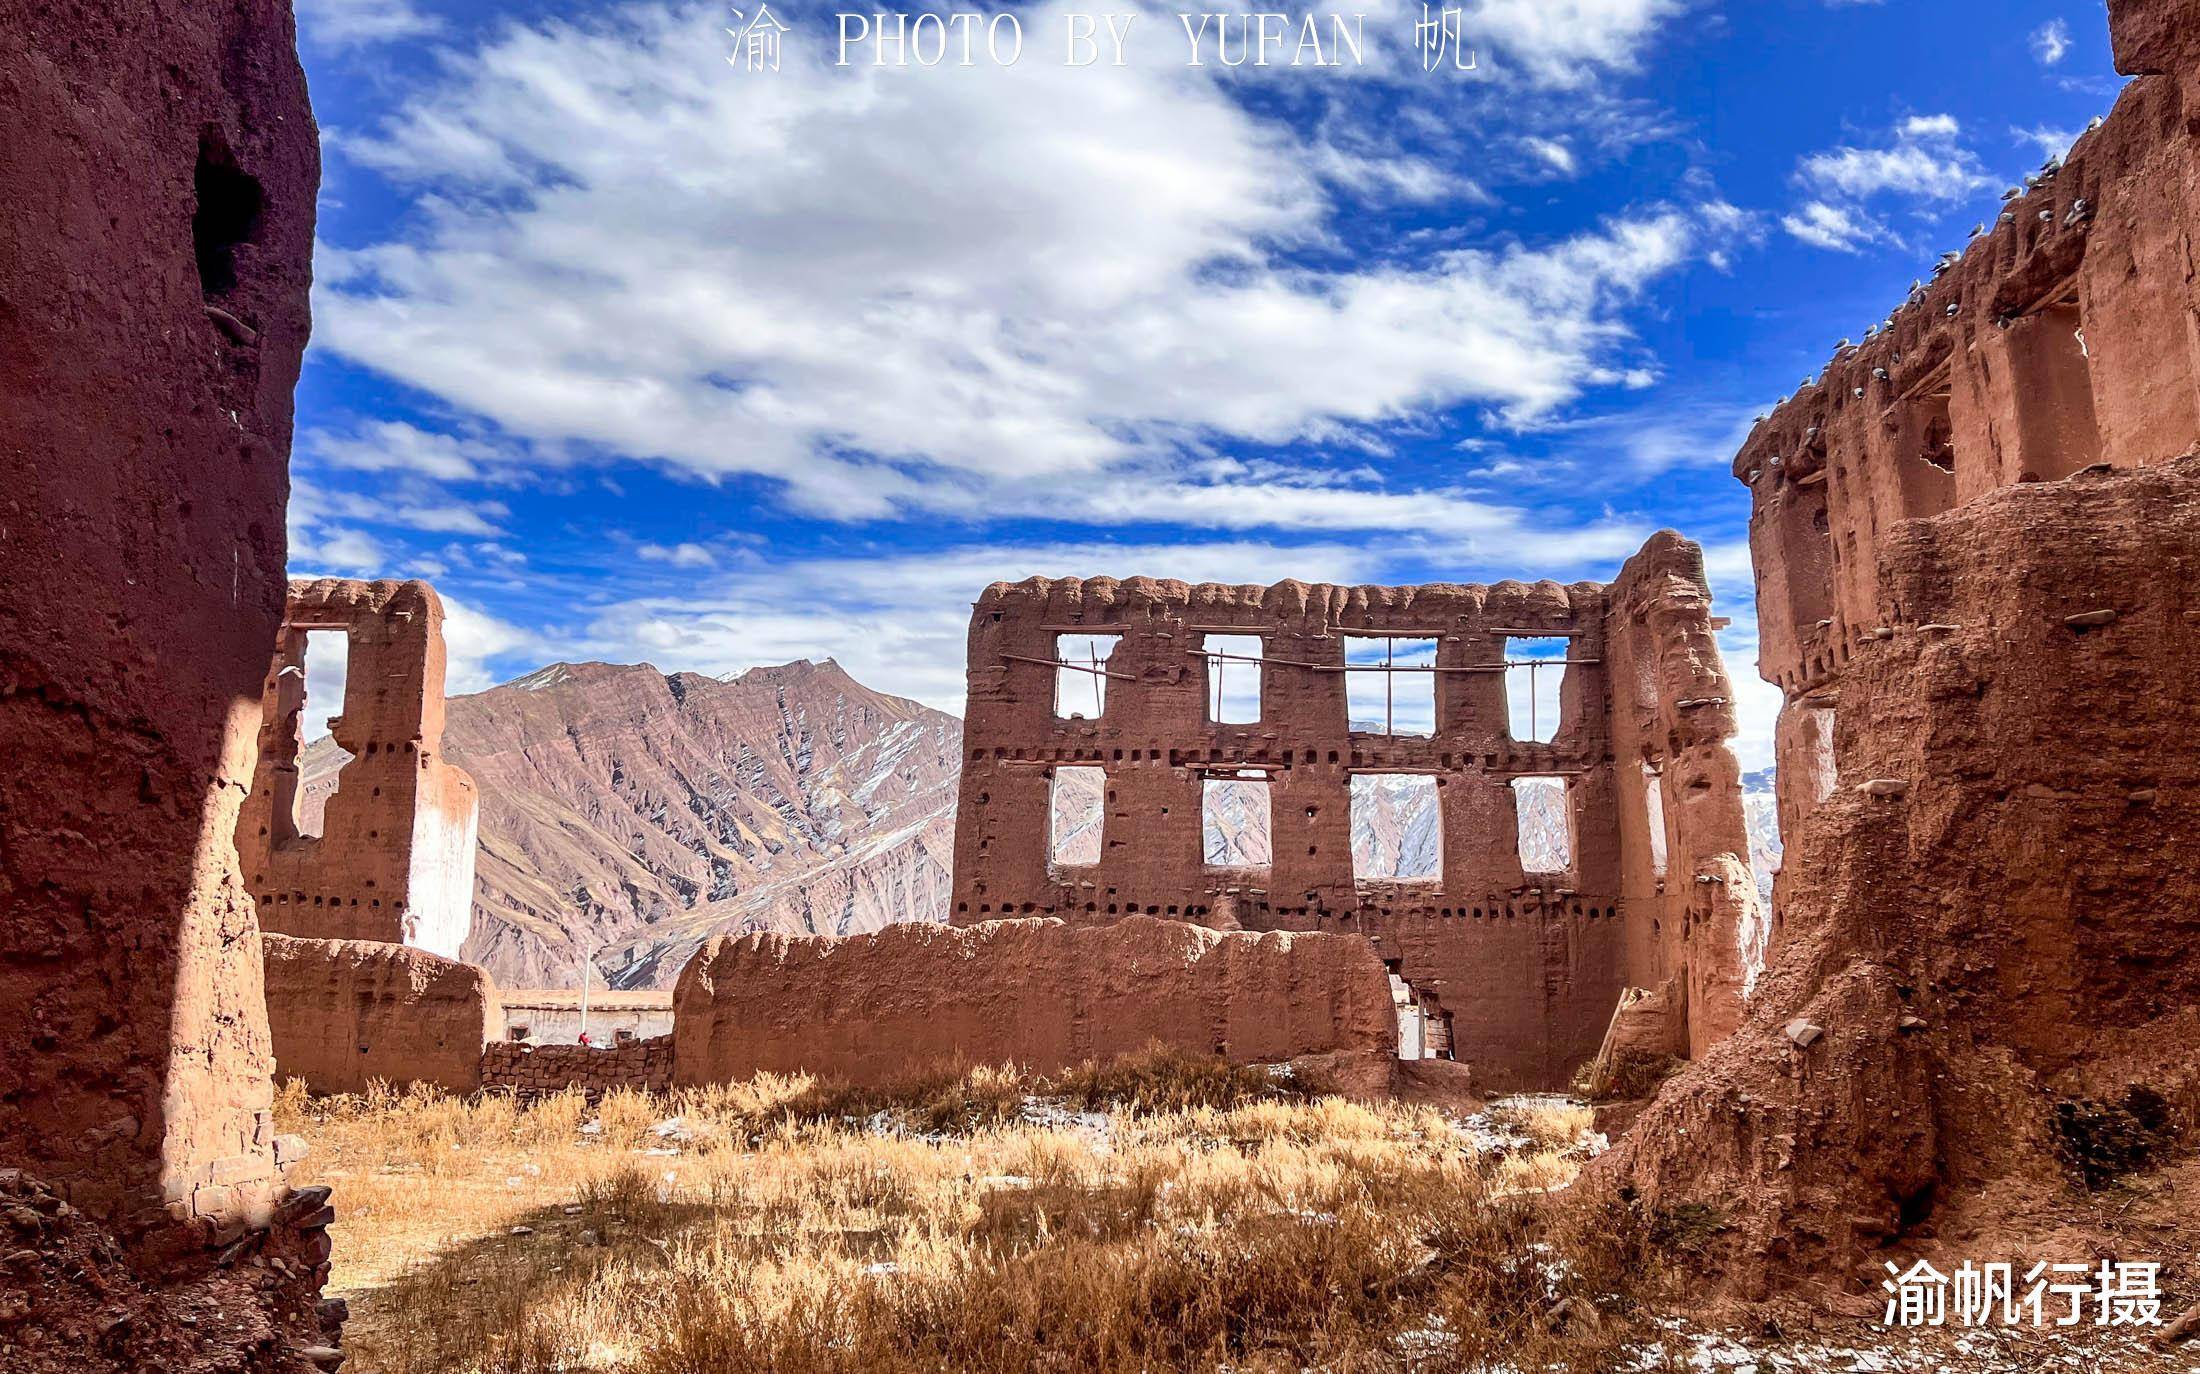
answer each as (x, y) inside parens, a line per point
(782, 1228)
(1162, 1079)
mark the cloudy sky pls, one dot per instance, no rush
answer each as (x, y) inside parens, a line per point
(640, 356)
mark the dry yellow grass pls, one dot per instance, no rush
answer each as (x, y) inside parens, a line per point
(1159, 1215)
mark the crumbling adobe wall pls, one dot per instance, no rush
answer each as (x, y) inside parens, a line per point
(394, 861)
(160, 164)
(2061, 337)
(1975, 548)
(2000, 899)
(1530, 965)
(345, 1012)
(1697, 924)
(870, 1009)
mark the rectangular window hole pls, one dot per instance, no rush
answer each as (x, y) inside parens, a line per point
(1546, 824)
(1081, 677)
(1076, 813)
(1397, 828)
(326, 664)
(1535, 673)
(1233, 679)
(1234, 823)
(1390, 684)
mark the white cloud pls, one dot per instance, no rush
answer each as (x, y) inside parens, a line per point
(396, 446)
(678, 555)
(1924, 167)
(335, 551)
(352, 23)
(1831, 226)
(1568, 41)
(421, 507)
(973, 289)
(1924, 163)
(900, 623)
(1677, 434)
(481, 649)
(2051, 42)
(1555, 152)
(2051, 142)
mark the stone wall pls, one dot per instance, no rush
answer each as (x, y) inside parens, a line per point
(161, 162)
(1529, 964)
(345, 1012)
(394, 861)
(2060, 338)
(642, 1065)
(873, 1009)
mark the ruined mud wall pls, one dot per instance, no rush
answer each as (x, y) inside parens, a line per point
(1696, 923)
(1976, 549)
(1994, 912)
(2061, 337)
(638, 1065)
(872, 1009)
(344, 1012)
(394, 861)
(160, 163)
(1529, 964)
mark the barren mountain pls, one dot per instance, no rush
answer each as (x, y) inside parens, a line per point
(639, 814)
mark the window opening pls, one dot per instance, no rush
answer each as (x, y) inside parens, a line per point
(1076, 808)
(1234, 671)
(1397, 828)
(1390, 684)
(1081, 675)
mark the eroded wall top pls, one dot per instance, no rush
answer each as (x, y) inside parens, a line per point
(2058, 337)
(394, 858)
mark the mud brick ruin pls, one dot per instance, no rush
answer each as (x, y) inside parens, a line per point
(638, 1065)
(394, 861)
(1976, 539)
(1528, 966)
(1043, 994)
(161, 164)
(2062, 340)
(148, 347)
(346, 1012)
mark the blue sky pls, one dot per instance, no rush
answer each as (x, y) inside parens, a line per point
(638, 356)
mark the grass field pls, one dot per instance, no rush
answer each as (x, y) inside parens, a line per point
(1162, 1213)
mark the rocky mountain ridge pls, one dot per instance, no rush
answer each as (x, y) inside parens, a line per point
(635, 813)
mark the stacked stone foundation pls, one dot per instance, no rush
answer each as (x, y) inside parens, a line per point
(639, 1065)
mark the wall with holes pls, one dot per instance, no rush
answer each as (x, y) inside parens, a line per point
(2059, 338)
(394, 859)
(1096, 809)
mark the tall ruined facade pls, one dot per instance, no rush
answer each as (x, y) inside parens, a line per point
(2062, 338)
(1977, 541)
(1527, 964)
(394, 860)
(160, 161)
